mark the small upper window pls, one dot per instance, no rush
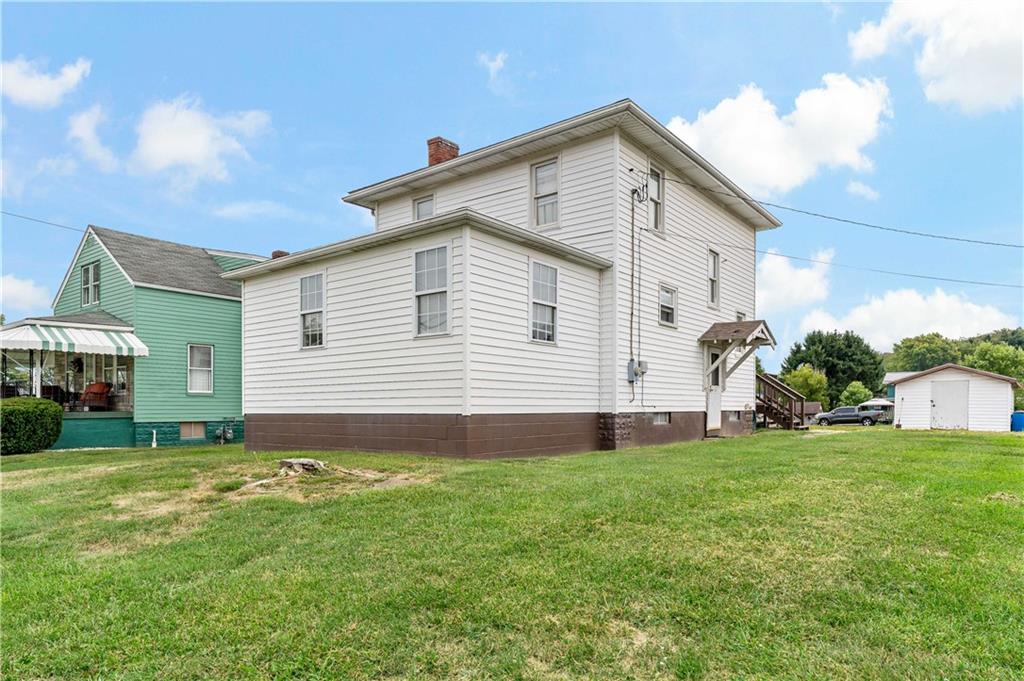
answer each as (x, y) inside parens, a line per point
(545, 193)
(655, 205)
(544, 303)
(423, 208)
(200, 368)
(667, 305)
(311, 310)
(91, 283)
(431, 274)
(740, 317)
(713, 282)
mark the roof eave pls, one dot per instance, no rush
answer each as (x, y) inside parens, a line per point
(456, 218)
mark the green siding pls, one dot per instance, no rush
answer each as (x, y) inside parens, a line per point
(96, 430)
(167, 322)
(116, 293)
(228, 263)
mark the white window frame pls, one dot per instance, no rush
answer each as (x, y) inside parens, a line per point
(661, 418)
(557, 160)
(741, 316)
(420, 199)
(192, 425)
(659, 206)
(714, 290)
(322, 311)
(189, 368)
(93, 287)
(675, 305)
(447, 289)
(529, 313)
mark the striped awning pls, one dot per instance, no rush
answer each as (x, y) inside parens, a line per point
(88, 340)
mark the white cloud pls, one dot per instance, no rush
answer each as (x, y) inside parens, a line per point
(782, 285)
(970, 55)
(25, 84)
(13, 183)
(906, 312)
(82, 132)
(247, 210)
(23, 294)
(180, 138)
(497, 82)
(862, 190)
(770, 154)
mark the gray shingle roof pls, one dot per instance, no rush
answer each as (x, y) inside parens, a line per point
(98, 317)
(165, 263)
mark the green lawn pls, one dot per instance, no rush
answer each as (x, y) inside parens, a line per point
(864, 554)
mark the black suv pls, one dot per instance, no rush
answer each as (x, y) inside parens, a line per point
(848, 415)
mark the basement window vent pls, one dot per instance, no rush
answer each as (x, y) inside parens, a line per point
(193, 430)
(661, 418)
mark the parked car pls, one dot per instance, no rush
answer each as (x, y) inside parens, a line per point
(849, 415)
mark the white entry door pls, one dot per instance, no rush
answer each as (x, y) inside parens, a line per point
(949, 404)
(714, 419)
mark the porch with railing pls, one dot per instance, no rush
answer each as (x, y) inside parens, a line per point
(779, 405)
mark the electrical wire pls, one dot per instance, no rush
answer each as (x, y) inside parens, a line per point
(848, 221)
(44, 222)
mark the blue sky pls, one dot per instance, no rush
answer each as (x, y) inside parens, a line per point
(240, 126)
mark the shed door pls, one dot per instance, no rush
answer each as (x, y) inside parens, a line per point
(949, 404)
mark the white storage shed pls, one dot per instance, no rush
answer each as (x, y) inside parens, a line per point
(954, 397)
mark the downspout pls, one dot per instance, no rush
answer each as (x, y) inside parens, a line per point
(467, 250)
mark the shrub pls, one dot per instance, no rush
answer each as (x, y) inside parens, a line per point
(29, 424)
(854, 394)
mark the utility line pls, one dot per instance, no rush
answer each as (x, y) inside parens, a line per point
(847, 221)
(710, 243)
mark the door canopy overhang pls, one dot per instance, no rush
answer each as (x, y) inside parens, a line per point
(727, 337)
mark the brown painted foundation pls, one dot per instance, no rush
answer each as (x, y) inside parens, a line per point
(478, 436)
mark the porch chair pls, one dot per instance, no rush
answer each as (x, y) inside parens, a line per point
(96, 396)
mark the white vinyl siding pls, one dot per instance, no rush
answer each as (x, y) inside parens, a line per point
(90, 284)
(680, 258)
(200, 368)
(311, 311)
(543, 303)
(989, 406)
(544, 182)
(372, 363)
(510, 372)
(431, 284)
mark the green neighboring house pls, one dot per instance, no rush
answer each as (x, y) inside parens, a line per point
(145, 342)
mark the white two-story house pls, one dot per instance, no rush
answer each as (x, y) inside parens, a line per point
(588, 285)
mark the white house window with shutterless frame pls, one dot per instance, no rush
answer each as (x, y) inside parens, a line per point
(423, 207)
(431, 283)
(543, 302)
(544, 180)
(90, 283)
(667, 297)
(311, 311)
(714, 284)
(655, 205)
(200, 368)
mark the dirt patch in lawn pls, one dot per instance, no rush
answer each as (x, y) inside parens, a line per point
(1005, 497)
(31, 477)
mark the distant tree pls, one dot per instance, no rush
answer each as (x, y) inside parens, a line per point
(809, 382)
(844, 357)
(1000, 358)
(918, 353)
(854, 394)
(758, 367)
(1012, 337)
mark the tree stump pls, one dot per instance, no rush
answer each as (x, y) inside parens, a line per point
(296, 466)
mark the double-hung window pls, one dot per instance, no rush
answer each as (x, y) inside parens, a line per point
(91, 283)
(714, 284)
(423, 207)
(200, 368)
(545, 193)
(667, 305)
(544, 303)
(311, 310)
(431, 275)
(655, 205)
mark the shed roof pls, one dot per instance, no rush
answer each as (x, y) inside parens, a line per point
(893, 376)
(737, 330)
(93, 318)
(957, 367)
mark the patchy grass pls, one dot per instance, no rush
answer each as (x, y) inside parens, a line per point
(865, 554)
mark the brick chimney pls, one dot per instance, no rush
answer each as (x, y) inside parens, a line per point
(440, 150)
(278, 254)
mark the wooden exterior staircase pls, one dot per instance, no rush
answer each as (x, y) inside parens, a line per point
(779, 405)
